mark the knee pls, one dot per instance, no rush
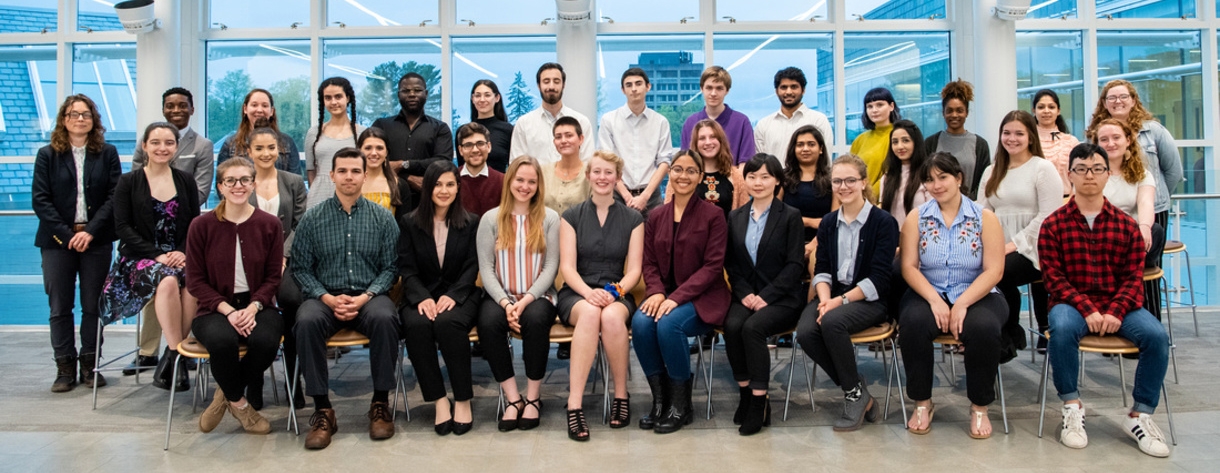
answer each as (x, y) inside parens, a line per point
(168, 287)
(641, 323)
(1064, 317)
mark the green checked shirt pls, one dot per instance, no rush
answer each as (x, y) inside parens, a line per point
(336, 252)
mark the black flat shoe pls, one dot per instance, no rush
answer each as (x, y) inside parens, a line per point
(508, 425)
(578, 428)
(527, 424)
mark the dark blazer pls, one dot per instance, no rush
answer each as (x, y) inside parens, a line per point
(53, 195)
(423, 276)
(781, 256)
(874, 255)
(134, 222)
(194, 157)
(292, 204)
(698, 257)
(408, 201)
(982, 159)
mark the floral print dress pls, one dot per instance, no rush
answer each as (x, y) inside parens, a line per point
(133, 282)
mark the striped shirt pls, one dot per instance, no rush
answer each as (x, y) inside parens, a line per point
(951, 255)
(516, 267)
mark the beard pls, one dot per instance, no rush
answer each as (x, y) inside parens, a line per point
(552, 98)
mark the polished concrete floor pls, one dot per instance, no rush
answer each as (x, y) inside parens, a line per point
(41, 431)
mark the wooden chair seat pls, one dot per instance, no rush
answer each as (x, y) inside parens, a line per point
(947, 339)
(474, 335)
(1174, 246)
(873, 334)
(1152, 274)
(347, 337)
(192, 348)
(1107, 344)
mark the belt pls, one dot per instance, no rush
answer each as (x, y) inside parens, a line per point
(637, 192)
(79, 227)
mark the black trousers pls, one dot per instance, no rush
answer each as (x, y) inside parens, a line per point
(536, 321)
(234, 373)
(980, 335)
(60, 268)
(451, 333)
(1152, 289)
(1019, 271)
(829, 343)
(316, 323)
(745, 340)
(898, 289)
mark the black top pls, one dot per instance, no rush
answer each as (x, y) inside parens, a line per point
(811, 203)
(424, 277)
(874, 255)
(501, 140)
(776, 276)
(601, 249)
(429, 141)
(717, 189)
(53, 195)
(135, 222)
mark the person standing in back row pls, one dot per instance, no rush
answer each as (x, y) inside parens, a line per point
(415, 139)
(774, 131)
(533, 135)
(640, 136)
(714, 84)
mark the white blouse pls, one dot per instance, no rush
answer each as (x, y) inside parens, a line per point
(1123, 194)
(1026, 196)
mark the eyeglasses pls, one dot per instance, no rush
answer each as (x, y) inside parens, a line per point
(690, 171)
(1118, 98)
(231, 182)
(1095, 170)
(472, 145)
(851, 181)
(79, 116)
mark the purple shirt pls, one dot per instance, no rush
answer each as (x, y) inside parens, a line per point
(736, 126)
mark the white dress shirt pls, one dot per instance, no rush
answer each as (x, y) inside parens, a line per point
(643, 141)
(774, 131)
(82, 212)
(533, 136)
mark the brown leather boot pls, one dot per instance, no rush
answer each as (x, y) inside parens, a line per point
(215, 412)
(380, 425)
(322, 426)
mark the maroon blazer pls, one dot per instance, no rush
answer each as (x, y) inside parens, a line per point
(698, 257)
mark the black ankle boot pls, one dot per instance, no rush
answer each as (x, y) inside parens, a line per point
(162, 377)
(680, 412)
(743, 404)
(65, 374)
(659, 385)
(757, 416)
(87, 377)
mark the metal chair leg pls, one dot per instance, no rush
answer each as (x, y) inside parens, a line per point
(97, 356)
(808, 377)
(1122, 380)
(1003, 404)
(1046, 365)
(791, 369)
(711, 366)
(292, 408)
(1173, 347)
(1169, 412)
(898, 376)
(169, 416)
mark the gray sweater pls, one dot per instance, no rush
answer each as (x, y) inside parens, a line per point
(486, 243)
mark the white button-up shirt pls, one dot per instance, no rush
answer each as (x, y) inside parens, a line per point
(466, 172)
(82, 212)
(643, 141)
(774, 131)
(533, 136)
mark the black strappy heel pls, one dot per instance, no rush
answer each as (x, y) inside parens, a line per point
(620, 413)
(527, 424)
(511, 424)
(578, 428)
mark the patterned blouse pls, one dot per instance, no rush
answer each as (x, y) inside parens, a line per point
(951, 255)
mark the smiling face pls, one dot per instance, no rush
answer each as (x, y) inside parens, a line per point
(714, 92)
(943, 186)
(474, 150)
(1119, 101)
(902, 144)
(484, 100)
(412, 94)
(684, 175)
(524, 184)
(807, 149)
(1014, 137)
(847, 183)
(348, 176)
(1113, 140)
(79, 120)
(335, 100)
(258, 107)
(238, 193)
(1046, 111)
(707, 143)
(760, 183)
(374, 151)
(567, 142)
(790, 93)
(177, 110)
(878, 112)
(264, 150)
(160, 145)
(955, 113)
(602, 175)
(445, 191)
(550, 85)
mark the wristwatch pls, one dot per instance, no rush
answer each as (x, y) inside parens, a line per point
(257, 305)
(846, 300)
(370, 294)
(405, 163)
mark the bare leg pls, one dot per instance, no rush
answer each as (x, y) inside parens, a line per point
(533, 390)
(168, 302)
(190, 305)
(511, 395)
(461, 412)
(587, 320)
(618, 348)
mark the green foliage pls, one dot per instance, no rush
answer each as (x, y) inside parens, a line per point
(519, 99)
(292, 107)
(224, 103)
(677, 117)
(379, 98)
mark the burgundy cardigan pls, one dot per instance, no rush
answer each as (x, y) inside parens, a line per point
(210, 249)
(698, 259)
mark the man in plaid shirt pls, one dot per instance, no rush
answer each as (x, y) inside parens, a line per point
(1092, 258)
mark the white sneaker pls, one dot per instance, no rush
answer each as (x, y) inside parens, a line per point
(1147, 434)
(1073, 434)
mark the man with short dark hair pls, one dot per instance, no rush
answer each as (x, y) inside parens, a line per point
(640, 136)
(343, 259)
(774, 131)
(1092, 257)
(481, 185)
(532, 134)
(714, 85)
(415, 139)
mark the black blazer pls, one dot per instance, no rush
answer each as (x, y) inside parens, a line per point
(874, 255)
(53, 195)
(134, 222)
(781, 256)
(423, 277)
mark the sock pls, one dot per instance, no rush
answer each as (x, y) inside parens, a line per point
(321, 402)
(853, 394)
(381, 396)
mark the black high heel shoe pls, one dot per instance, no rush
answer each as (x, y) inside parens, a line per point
(508, 425)
(578, 428)
(527, 424)
(460, 428)
(620, 413)
(444, 428)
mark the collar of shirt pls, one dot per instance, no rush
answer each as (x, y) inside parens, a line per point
(466, 172)
(635, 118)
(723, 118)
(402, 117)
(966, 210)
(759, 217)
(862, 217)
(355, 205)
(796, 115)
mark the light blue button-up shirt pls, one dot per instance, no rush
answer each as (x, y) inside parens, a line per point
(849, 245)
(951, 255)
(754, 230)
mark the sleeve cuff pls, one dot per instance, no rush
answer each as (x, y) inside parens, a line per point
(870, 291)
(823, 278)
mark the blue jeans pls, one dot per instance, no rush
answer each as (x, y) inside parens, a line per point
(1139, 326)
(662, 346)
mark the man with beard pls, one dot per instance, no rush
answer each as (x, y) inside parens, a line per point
(774, 131)
(415, 139)
(532, 135)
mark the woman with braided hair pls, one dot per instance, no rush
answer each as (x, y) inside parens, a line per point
(337, 100)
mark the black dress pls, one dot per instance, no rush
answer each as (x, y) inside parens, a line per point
(501, 140)
(717, 189)
(601, 250)
(811, 203)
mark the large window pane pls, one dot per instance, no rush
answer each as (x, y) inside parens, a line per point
(25, 16)
(97, 15)
(670, 11)
(1052, 9)
(781, 10)
(107, 74)
(496, 11)
(510, 62)
(1145, 9)
(894, 9)
(258, 14)
(913, 66)
(753, 61)
(673, 65)
(381, 12)
(1166, 70)
(374, 67)
(27, 101)
(1053, 60)
(236, 67)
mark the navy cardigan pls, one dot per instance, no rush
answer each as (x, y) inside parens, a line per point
(874, 255)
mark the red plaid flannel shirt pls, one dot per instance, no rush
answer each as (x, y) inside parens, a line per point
(1093, 270)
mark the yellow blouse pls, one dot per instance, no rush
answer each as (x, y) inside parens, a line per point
(381, 198)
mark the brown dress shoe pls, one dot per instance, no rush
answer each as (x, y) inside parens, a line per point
(215, 412)
(322, 426)
(250, 419)
(381, 426)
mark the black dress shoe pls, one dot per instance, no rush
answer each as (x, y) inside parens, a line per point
(165, 371)
(141, 363)
(461, 428)
(526, 423)
(564, 351)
